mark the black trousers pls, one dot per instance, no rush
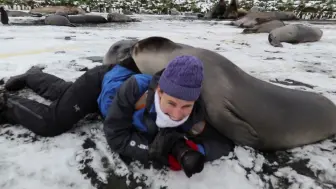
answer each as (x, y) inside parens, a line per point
(71, 102)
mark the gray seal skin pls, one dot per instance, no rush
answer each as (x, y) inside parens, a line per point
(265, 27)
(62, 13)
(57, 20)
(294, 33)
(247, 110)
(87, 19)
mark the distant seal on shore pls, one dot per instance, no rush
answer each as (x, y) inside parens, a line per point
(256, 18)
(294, 33)
(87, 19)
(62, 13)
(265, 27)
(246, 109)
(58, 20)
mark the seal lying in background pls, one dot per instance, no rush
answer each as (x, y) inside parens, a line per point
(87, 19)
(294, 33)
(58, 20)
(248, 110)
(265, 27)
(255, 18)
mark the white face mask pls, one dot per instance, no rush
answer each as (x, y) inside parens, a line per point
(163, 120)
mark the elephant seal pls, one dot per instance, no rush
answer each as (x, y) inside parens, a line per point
(248, 110)
(294, 33)
(4, 16)
(256, 18)
(265, 27)
(232, 10)
(87, 19)
(62, 13)
(57, 20)
(217, 11)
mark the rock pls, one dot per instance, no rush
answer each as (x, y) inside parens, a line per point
(87, 19)
(116, 17)
(60, 52)
(95, 58)
(52, 10)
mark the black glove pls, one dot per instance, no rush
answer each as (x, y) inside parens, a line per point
(162, 144)
(191, 160)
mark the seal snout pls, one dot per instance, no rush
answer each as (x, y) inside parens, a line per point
(273, 41)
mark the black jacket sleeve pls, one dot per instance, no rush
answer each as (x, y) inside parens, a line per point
(120, 133)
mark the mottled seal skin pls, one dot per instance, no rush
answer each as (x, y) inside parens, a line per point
(265, 27)
(294, 33)
(57, 20)
(246, 109)
(4, 16)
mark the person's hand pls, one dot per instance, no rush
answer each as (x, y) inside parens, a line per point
(192, 161)
(162, 144)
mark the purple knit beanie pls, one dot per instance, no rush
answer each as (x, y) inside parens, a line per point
(183, 78)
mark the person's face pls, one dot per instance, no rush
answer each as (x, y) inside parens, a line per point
(175, 108)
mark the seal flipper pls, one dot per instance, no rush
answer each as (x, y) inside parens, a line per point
(274, 41)
(241, 132)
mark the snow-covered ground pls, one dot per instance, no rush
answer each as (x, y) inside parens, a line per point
(81, 158)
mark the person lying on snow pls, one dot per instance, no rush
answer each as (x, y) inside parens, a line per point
(146, 118)
(169, 114)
